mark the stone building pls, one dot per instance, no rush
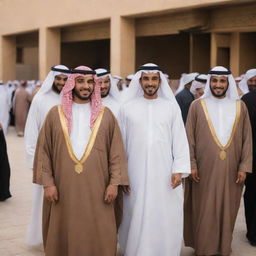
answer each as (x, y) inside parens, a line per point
(180, 35)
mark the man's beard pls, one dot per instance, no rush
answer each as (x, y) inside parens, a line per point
(218, 95)
(150, 93)
(103, 95)
(56, 89)
(251, 87)
(79, 96)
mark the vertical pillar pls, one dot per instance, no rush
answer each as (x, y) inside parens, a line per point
(235, 53)
(7, 58)
(122, 46)
(49, 50)
(214, 50)
(191, 53)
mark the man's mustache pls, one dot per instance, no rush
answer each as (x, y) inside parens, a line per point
(218, 88)
(85, 89)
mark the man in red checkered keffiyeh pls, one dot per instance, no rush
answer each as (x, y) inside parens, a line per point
(67, 95)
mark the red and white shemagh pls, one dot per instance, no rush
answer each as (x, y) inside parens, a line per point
(67, 98)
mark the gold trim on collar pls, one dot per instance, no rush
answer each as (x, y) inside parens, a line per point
(79, 163)
(223, 153)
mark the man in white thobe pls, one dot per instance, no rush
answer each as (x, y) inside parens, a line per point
(198, 85)
(110, 94)
(248, 80)
(158, 158)
(47, 97)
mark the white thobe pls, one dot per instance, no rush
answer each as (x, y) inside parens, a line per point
(80, 131)
(39, 108)
(4, 108)
(112, 104)
(37, 113)
(156, 147)
(222, 113)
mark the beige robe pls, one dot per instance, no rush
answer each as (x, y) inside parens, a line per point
(21, 107)
(211, 205)
(80, 223)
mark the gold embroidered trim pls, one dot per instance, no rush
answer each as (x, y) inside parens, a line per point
(79, 163)
(214, 135)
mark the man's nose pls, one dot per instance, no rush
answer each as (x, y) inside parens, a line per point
(62, 82)
(219, 84)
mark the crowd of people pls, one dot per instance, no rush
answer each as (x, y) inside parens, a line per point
(135, 161)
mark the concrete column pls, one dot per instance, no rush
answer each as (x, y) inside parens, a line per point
(220, 45)
(122, 46)
(191, 53)
(7, 58)
(235, 53)
(214, 50)
(49, 50)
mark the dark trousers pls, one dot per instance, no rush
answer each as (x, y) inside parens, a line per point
(4, 169)
(250, 206)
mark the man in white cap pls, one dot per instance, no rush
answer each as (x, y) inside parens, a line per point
(119, 82)
(128, 79)
(250, 182)
(158, 158)
(183, 95)
(219, 135)
(109, 92)
(249, 81)
(198, 85)
(47, 97)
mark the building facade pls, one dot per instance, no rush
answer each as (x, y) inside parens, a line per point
(180, 36)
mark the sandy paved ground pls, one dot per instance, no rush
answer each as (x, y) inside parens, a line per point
(15, 212)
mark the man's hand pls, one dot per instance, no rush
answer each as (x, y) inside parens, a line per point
(241, 177)
(111, 193)
(176, 180)
(51, 193)
(126, 189)
(194, 175)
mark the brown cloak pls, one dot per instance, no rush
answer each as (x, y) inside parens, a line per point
(80, 223)
(211, 205)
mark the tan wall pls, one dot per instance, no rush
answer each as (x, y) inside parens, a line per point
(85, 32)
(58, 13)
(121, 21)
(7, 57)
(29, 69)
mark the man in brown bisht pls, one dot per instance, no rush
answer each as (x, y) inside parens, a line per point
(80, 161)
(219, 135)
